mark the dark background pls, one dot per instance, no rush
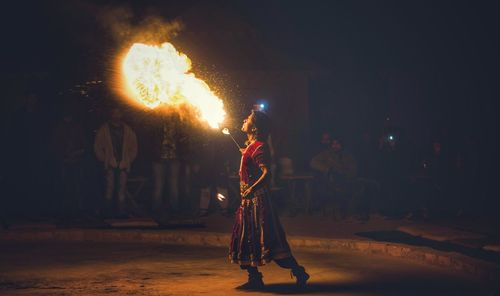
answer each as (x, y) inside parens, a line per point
(429, 67)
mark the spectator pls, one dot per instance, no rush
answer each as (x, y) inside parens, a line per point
(338, 169)
(324, 143)
(441, 170)
(169, 146)
(69, 148)
(320, 189)
(468, 173)
(438, 190)
(395, 167)
(116, 147)
(367, 185)
(366, 156)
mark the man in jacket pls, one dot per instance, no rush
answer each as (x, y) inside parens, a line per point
(116, 147)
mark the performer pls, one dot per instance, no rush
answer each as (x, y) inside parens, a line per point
(257, 236)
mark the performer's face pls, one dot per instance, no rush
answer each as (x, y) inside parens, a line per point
(247, 124)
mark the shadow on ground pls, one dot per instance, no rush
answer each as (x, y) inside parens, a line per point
(396, 287)
(404, 238)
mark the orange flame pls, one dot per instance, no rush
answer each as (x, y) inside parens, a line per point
(156, 75)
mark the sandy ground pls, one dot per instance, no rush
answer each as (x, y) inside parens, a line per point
(148, 269)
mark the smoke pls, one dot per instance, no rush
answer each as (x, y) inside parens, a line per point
(121, 23)
(125, 26)
(115, 28)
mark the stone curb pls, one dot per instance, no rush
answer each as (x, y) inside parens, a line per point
(455, 261)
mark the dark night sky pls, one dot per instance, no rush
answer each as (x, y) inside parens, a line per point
(428, 61)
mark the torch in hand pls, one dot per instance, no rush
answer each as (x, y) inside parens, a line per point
(225, 131)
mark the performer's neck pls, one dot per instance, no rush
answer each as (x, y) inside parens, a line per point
(250, 139)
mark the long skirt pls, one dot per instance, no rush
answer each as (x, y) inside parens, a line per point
(258, 236)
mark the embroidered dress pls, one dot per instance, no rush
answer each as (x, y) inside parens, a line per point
(258, 236)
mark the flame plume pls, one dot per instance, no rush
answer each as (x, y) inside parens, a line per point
(156, 75)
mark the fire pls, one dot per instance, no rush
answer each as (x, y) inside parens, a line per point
(156, 75)
(221, 197)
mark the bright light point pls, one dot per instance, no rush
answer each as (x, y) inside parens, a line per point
(262, 106)
(221, 197)
(225, 131)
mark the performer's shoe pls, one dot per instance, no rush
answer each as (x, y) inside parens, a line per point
(254, 283)
(301, 276)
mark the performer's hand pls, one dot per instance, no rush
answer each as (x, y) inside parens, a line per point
(247, 192)
(242, 150)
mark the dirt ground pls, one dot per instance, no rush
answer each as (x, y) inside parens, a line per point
(149, 269)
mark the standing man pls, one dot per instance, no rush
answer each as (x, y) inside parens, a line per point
(116, 146)
(169, 149)
(69, 147)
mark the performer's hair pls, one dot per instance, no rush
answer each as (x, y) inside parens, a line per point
(262, 123)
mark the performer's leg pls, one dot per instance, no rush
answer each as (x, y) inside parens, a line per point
(254, 278)
(288, 263)
(252, 270)
(298, 271)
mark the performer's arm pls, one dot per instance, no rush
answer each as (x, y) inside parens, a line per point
(261, 180)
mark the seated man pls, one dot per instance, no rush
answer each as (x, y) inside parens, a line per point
(336, 176)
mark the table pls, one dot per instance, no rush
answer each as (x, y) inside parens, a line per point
(292, 181)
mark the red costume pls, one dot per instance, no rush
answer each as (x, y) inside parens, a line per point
(258, 236)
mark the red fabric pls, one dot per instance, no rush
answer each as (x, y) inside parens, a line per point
(258, 236)
(255, 154)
